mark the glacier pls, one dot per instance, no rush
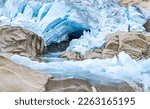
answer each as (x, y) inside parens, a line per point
(53, 20)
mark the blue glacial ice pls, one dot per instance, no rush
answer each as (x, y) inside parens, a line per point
(55, 20)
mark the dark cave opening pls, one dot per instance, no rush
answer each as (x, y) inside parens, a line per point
(75, 35)
(58, 47)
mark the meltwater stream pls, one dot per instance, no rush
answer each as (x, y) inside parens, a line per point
(54, 20)
(121, 67)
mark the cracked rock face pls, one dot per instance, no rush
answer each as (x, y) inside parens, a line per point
(17, 78)
(15, 40)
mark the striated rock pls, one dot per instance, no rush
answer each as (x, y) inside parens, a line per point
(147, 26)
(17, 78)
(15, 40)
(144, 3)
(68, 85)
(133, 43)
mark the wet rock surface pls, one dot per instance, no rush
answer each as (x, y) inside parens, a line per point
(15, 40)
(147, 25)
(133, 43)
(57, 47)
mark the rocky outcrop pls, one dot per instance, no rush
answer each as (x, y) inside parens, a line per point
(147, 25)
(144, 3)
(78, 56)
(133, 43)
(14, 77)
(118, 87)
(17, 78)
(68, 85)
(79, 85)
(72, 55)
(16, 40)
(97, 53)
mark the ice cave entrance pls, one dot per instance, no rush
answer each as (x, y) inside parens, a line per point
(58, 47)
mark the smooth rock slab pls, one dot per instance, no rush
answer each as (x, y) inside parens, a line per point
(119, 87)
(68, 85)
(17, 78)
